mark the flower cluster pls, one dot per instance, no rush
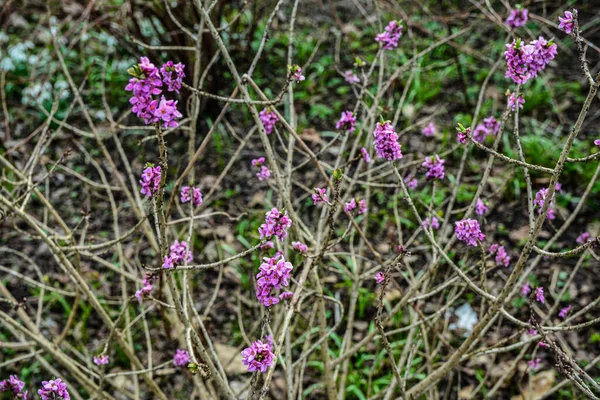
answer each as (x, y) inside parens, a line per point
(179, 254)
(365, 155)
(55, 389)
(146, 83)
(274, 273)
(526, 289)
(468, 231)
(518, 17)
(346, 122)
(462, 134)
(597, 142)
(386, 142)
(195, 198)
(540, 199)
(264, 173)
(489, 127)
(269, 119)
(379, 277)
(411, 181)
(181, 358)
(539, 295)
(566, 22)
(14, 385)
(286, 295)
(351, 206)
(562, 314)
(150, 180)
(276, 223)
(514, 101)
(146, 286)
(534, 364)
(258, 357)
(101, 359)
(172, 75)
(584, 237)
(480, 207)
(296, 73)
(389, 38)
(525, 61)
(351, 77)
(432, 222)
(300, 247)
(501, 257)
(429, 130)
(320, 196)
(435, 167)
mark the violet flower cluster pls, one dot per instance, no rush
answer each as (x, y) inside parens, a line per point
(432, 222)
(276, 224)
(539, 295)
(296, 73)
(468, 231)
(264, 173)
(53, 390)
(146, 286)
(379, 278)
(502, 257)
(567, 22)
(300, 247)
(489, 127)
(365, 155)
(435, 167)
(269, 119)
(258, 357)
(525, 61)
(346, 122)
(351, 205)
(14, 386)
(195, 197)
(411, 181)
(514, 101)
(540, 199)
(518, 17)
(386, 142)
(351, 77)
(389, 38)
(584, 237)
(429, 130)
(320, 196)
(101, 359)
(562, 314)
(480, 207)
(179, 254)
(273, 275)
(150, 180)
(146, 83)
(181, 358)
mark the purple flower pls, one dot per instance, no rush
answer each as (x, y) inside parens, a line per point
(267, 245)
(462, 135)
(539, 295)
(389, 38)
(525, 289)
(525, 61)
(167, 113)
(286, 295)
(274, 273)
(258, 357)
(491, 125)
(584, 237)
(196, 195)
(429, 130)
(386, 142)
(411, 182)
(55, 389)
(350, 206)
(351, 77)
(150, 180)
(276, 224)
(435, 167)
(146, 286)
(502, 257)
(264, 173)
(101, 359)
(480, 207)
(540, 199)
(431, 222)
(543, 345)
(181, 358)
(566, 22)
(179, 253)
(597, 142)
(172, 75)
(257, 162)
(513, 101)
(379, 277)
(534, 364)
(269, 119)
(300, 247)
(564, 311)
(480, 133)
(296, 73)
(320, 196)
(362, 207)
(468, 231)
(367, 157)
(14, 385)
(517, 17)
(346, 122)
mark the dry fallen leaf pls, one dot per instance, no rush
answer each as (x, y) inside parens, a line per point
(541, 382)
(231, 358)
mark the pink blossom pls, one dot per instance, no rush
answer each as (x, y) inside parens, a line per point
(480, 207)
(429, 130)
(389, 38)
(274, 273)
(513, 101)
(54, 389)
(534, 364)
(365, 155)
(480, 133)
(101, 359)
(257, 162)
(435, 167)
(525, 61)
(502, 257)
(584, 237)
(13, 385)
(172, 75)
(258, 357)
(432, 222)
(539, 295)
(296, 73)
(267, 245)
(150, 180)
(540, 199)
(180, 252)
(264, 173)
(346, 122)
(320, 196)
(350, 206)
(525, 289)
(597, 142)
(386, 142)
(491, 125)
(564, 311)
(567, 22)
(411, 182)
(286, 295)
(462, 135)
(269, 119)
(379, 277)
(362, 207)
(351, 77)
(543, 345)
(300, 247)
(181, 358)
(167, 113)
(196, 195)
(146, 286)
(276, 224)
(468, 231)
(517, 17)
